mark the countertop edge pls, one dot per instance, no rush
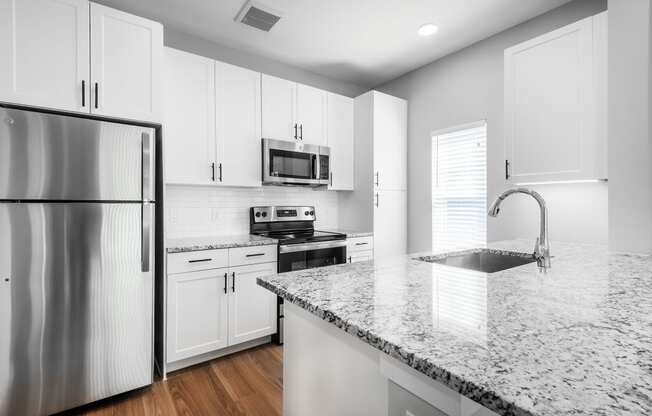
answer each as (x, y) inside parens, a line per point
(218, 246)
(478, 394)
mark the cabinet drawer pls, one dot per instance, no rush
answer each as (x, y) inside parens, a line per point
(359, 244)
(251, 255)
(197, 260)
(358, 256)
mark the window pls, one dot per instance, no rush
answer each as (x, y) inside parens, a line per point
(459, 187)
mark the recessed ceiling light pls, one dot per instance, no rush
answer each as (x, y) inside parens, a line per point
(428, 29)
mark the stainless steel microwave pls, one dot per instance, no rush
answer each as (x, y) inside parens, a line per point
(295, 163)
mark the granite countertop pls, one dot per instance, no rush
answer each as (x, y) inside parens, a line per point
(181, 245)
(350, 233)
(576, 340)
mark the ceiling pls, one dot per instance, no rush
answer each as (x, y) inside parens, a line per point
(365, 42)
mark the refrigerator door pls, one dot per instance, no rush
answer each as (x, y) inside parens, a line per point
(54, 157)
(75, 305)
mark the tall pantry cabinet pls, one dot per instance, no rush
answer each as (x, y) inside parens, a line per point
(379, 202)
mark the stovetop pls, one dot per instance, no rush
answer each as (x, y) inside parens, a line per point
(302, 236)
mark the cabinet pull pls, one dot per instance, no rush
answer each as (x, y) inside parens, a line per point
(226, 285)
(361, 244)
(377, 178)
(301, 131)
(350, 259)
(97, 95)
(220, 172)
(83, 93)
(213, 171)
(233, 286)
(295, 131)
(199, 260)
(331, 178)
(255, 255)
(377, 200)
(506, 169)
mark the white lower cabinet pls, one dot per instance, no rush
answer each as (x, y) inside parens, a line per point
(209, 310)
(252, 309)
(359, 249)
(197, 313)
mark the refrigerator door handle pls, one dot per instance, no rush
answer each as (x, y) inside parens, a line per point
(146, 237)
(147, 165)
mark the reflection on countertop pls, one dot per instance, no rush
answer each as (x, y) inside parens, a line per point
(575, 340)
(181, 245)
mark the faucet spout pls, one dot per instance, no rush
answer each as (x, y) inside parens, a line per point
(542, 245)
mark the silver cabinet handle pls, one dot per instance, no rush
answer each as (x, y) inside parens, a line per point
(213, 171)
(377, 178)
(83, 93)
(296, 136)
(225, 283)
(146, 218)
(331, 178)
(220, 172)
(350, 259)
(377, 200)
(361, 244)
(301, 131)
(233, 282)
(255, 255)
(97, 95)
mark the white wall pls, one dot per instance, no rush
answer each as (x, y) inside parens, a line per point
(468, 86)
(193, 211)
(630, 158)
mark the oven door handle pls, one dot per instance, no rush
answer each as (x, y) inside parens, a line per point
(293, 248)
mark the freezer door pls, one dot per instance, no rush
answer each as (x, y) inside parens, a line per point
(54, 157)
(76, 308)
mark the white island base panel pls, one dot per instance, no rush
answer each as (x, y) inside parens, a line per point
(329, 372)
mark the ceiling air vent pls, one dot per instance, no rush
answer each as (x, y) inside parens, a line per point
(258, 15)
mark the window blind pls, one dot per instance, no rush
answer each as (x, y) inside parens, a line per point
(459, 187)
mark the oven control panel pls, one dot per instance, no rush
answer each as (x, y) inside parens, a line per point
(284, 213)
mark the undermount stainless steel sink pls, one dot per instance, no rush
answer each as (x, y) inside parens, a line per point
(482, 260)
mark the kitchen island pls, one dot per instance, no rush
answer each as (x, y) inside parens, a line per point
(367, 338)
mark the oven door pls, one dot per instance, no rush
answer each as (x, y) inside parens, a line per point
(306, 256)
(290, 163)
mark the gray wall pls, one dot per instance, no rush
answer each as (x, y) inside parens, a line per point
(199, 46)
(630, 158)
(468, 86)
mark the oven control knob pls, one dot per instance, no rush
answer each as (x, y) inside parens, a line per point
(258, 214)
(312, 212)
(264, 214)
(306, 213)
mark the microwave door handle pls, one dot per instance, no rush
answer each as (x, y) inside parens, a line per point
(315, 173)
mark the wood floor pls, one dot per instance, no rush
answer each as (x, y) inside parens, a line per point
(245, 383)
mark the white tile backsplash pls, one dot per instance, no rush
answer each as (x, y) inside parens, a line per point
(198, 211)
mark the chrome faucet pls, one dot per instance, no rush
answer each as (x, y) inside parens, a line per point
(542, 245)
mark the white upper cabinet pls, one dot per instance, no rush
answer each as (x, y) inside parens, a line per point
(292, 111)
(340, 140)
(189, 118)
(389, 142)
(126, 54)
(252, 309)
(311, 114)
(238, 125)
(44, 53)
(278, 108)
(555, 98)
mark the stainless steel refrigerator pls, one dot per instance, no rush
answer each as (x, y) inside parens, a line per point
(76, 260)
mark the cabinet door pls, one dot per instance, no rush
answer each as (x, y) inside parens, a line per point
(550, 102)
(44, 53)
(390, 223)
(311, 114)
(197, 310)
(189, 117)
(360, 256)
(340, 141)
(390, 142)
(252, 309)
(126, 54)
(278, 108)
(238, 125)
